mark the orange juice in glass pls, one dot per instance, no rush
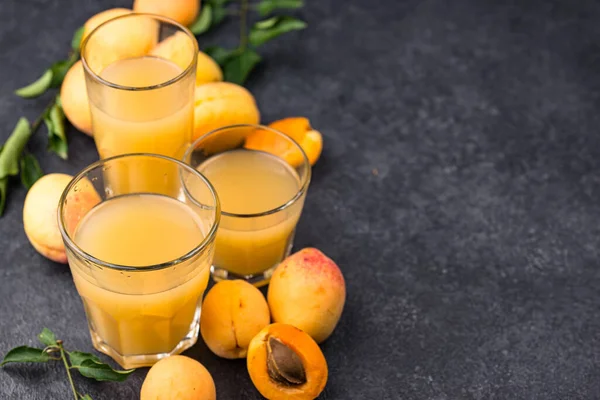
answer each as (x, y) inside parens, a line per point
(140, 102)
(261, 197)
(140, 260)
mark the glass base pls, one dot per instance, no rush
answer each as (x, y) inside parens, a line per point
(258, 280)
(147, 360)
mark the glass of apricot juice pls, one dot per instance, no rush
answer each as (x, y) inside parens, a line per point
(141, 259)
(261, 195)
(140, 74)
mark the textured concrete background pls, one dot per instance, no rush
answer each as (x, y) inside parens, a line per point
(458, 191)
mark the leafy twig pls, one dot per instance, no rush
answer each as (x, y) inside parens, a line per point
(87, 364)
(238, 63)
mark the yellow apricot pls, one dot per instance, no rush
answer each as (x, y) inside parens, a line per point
(40, 212)
(219, 104)
(208, 70)
(179, 49)
(285, 363)
(117, 34)
(73, 95)
(308, 291)
(182, 11)
(178, 378)
(40, 218)
(232, 313)
(101, 18)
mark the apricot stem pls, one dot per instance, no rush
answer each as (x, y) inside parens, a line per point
(243, 24)
(64, 358)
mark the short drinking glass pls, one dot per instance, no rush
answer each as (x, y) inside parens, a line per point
(140, 260)
(261, 194)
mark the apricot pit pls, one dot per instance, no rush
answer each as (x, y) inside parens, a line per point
(286, 363)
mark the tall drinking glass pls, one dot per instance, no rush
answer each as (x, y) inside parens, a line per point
(140, 102)
(141, 259)
(261, 196)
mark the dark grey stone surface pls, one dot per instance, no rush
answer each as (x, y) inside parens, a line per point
(458, 191)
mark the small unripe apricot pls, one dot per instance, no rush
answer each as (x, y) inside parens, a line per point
(307, 290)
(182, 11)
(286, 363)
(232, 313)
(178, 378)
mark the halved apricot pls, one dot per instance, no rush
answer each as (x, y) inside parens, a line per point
(299, 129)
(286, 363)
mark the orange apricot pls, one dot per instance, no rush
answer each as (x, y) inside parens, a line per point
(299, 129)
(286, 363)
(40, 219)
(308, 291)
(182, 11)
(178, 378)
(117, 35)
(178, 49)
(218, 104)
(233, 312)
(74, 99)
(40, 213)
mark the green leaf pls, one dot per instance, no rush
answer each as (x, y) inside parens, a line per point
(266, 7)
(269, 29)
(78, 357)
(76, 41)
(3, 189)
(59, 70)
(219, 54)
(25, 354)
(101, 372)
(36, 88)
(219, 13)
(47, 337)
(217, 2)
(237, 68)
(202, 23)
(30, 170)
(12, 149)
(86, 397)
(55, 122)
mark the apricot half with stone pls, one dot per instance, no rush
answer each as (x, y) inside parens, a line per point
(286, 363)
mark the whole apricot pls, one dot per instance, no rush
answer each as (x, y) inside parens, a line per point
(117, 35)
(73, 96)
(179, 49)
(307, 290)
(286, 363)
(219, 104)
(182, 11)
(40, 218)
(101, 18)
(178, 378)
(233, 312)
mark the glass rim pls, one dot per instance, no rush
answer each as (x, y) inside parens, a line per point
(301, 191)
(169, 82)
(71, 245)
